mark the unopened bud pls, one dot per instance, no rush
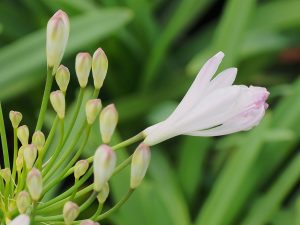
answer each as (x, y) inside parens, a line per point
(80, 168)
(104, 165)
(5, 174)
(103, 194)
(70, 212)
(23, 134)
(88, 222)
(35, 184)
(99, 67)
(22, 219)
(83, 64)
(15, 118)
(57, 99)
(38, 139)
(139, 164)
(58, 29)
(19, 163)
(30, 154)
(108, 122)
(23, 201)
(92, 110)
(62, 78)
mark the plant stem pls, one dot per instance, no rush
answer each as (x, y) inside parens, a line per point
(90, 200)
(14, 172)
(4, 140)
(45, 100)
(98, 211)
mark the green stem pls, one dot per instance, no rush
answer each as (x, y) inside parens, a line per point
(56, 151)
(4, 140)
(88, 202)
(75, 190)
(45, 100)
(14, 172)
(117, 206)
(98, 211)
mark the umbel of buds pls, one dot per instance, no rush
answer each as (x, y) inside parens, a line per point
(99, 67)
(62, 78)
(15, 118)
(92, 110)
(70, 212)
(35, 184)
(29, 154)
(83, 65)
(104, 163)
(23, 134)
(23, 201)
(57, 99)
(38, 139)
(139, 165)
(58, 28)
(80, 168)
(108, 122)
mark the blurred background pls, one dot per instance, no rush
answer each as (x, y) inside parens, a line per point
(155, 48)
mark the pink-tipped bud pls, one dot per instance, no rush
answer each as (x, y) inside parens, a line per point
(34, 183)
(23, 134)
(58, 29)
(104, 164)
(30, 154)
(99, 67)
(38, 139)
(139, 164)
(103, 194)
(15, 118)
(108, 122)
(57, 99)
(23, 201)
(22, 219)
(83, 65)
(70, 212)
(80, 168)
(88, 222)
(5, 174)
(62, 78)
(92, 110)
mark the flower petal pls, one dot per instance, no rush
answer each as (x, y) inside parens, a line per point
(223, 79)
(20, 220)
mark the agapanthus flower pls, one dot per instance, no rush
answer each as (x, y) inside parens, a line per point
(212, 106)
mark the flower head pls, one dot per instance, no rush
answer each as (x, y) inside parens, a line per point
(212, 107)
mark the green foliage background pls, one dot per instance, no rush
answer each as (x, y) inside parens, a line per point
(155, 48)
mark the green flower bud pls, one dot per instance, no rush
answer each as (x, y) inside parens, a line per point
(104, 164)
(23, 134)
(15, 118)
(92, 110)
(62, 78)
(83, 64)
(80, 168)
(23, 201)
(57, 99)
(34, 183)
(139, 164)
(108, 122)
(70, 212)
(5, 174)
(30, 154)
(103, 194)
(38, 139)
(99, 67)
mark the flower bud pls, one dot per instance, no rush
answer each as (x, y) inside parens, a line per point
(108, 122)
(5, 174)
(92, 110)
(88, 222)
(30, 154)
(57, 99)
(22, 219)
(70, 212)
(80, 168)
(35, 184)
(19, 163)
(83, 64)
(58, 28)
(103, 194)
(99, 67)
(15, 118)
(23, 134)
(38, 139)
(62, 78)
(23, 201)
(104, 165)
(139, 164)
